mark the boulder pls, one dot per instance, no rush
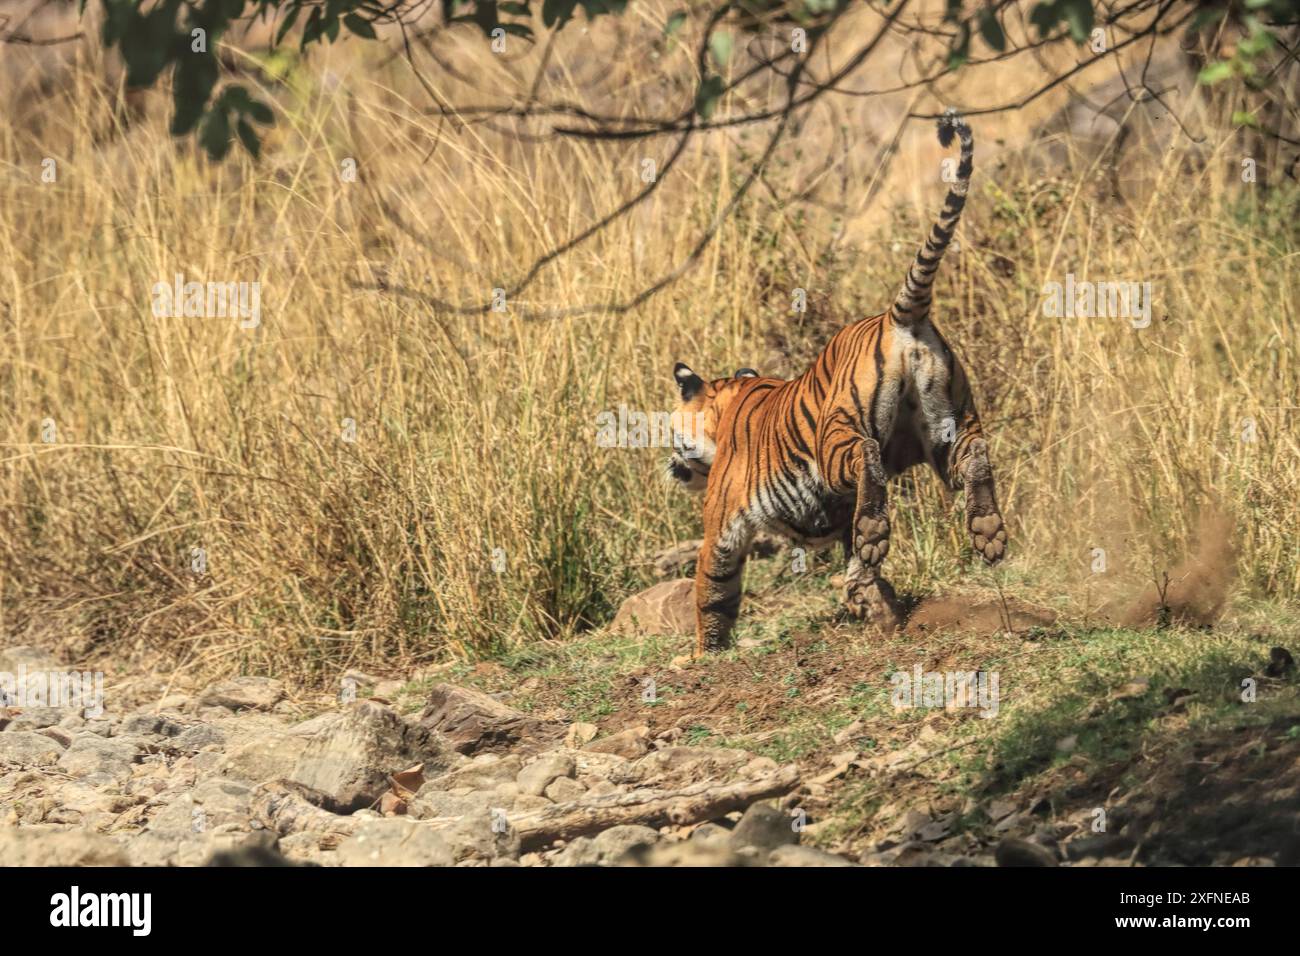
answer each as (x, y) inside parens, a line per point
(347, 766)
(665, 608)
(538, 775)
(29, 749)
(243, 693)
(765, 827)
(472, 722)
(394, 841)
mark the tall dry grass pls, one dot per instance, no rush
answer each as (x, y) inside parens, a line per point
(477, 433)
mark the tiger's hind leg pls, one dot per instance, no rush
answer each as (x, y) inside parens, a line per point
(868, 596)
(988, 534)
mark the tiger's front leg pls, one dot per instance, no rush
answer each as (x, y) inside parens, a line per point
(868, 596)
(717, 587)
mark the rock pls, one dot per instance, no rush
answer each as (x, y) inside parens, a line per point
(665, 608)
(199, 736)
(51, 846)
(804, 856)
(431, 804)
(629, 744)
(579, 735)
(265, 758)
(394, 841)
(484, 772)
(537, 776)
(1098, 844)
(106, 758)
(151, 725)
(765, 827)
(606, 848)
(348, 766)
(1015, 852)
(29, 749)
(211, 804)
(35, 718)
(482, 836)
(243, 693)
(472, 722)
(565, 790)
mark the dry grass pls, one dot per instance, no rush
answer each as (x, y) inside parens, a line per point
(478, 432)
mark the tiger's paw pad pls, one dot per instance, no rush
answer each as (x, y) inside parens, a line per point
(871, 541)
(988, 536)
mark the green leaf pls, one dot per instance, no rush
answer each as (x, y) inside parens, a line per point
(287, 24)
(706, 98)
(991, 30)
(1245, 118)
(1215, 73)
(192, 83)
(214, 134)
(675, 23)
(960, 51)
(360, 27)
(1078, 14)
(720, 46)
(558, 12)
(1045, 16)
(248, 136)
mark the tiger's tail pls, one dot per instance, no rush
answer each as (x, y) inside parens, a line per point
(913, 302)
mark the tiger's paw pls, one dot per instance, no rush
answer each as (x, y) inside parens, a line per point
(871, 540)
(988, 535)
(874, 601)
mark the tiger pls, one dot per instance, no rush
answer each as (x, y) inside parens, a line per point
(809, 457)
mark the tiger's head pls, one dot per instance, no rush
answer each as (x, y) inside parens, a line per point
(695, 423)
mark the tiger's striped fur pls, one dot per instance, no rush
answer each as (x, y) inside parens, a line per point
(810, 457)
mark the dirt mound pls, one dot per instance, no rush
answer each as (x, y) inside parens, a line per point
(975, 617)
(1193, 593)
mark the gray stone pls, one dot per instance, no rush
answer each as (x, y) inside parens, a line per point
(348, 766)
(243, 693)
(431, 804)
(105, 758)
(29, 749)
(484, 772)
(765, 827)
(212, 803)
(394, 841)
(565, 790)
(482, 835)
(266, 758)
(199, 736)
(472, 722)
(538, 775)
(35, 718)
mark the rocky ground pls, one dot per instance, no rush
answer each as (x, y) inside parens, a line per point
(780, 753)
(234, 773)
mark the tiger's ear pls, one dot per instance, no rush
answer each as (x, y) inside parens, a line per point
(746, 373)
(689, 383)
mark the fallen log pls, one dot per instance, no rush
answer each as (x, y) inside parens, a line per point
(697, 803)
